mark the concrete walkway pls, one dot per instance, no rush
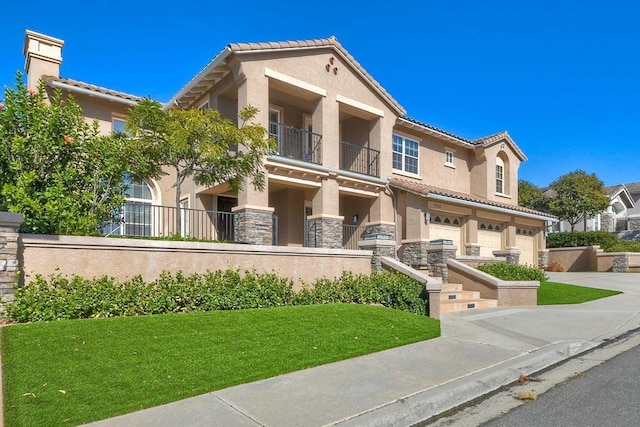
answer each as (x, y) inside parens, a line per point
(478, 352)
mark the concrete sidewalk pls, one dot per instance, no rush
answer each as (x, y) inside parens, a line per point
(478, 352)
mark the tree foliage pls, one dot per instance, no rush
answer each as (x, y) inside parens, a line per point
(55, 167)
(578, 196)
(200, 144)
(531, 196)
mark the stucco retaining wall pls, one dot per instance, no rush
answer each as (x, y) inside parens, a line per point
(124, 258)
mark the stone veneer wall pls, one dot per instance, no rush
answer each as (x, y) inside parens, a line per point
(620, 263)
(9, 262)
(325, 233)
(415, 254)
(253, 226)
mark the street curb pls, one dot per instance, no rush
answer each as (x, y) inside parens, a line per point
(430, 403)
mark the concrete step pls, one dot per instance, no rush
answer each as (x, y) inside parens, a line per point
(459, 295)
(456, 306)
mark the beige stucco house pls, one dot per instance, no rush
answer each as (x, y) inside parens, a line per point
(351, 169)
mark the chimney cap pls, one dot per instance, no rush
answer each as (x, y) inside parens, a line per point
(42, 46)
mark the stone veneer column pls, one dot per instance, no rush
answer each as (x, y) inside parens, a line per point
(386, 228)
(414, 253)
(380, 248)
(472, 249)
(620, 263)
(543, 258)
(253, 225)
(325, 231)
(512, 255)
(9, 263)
(437, 256)
(607, 222)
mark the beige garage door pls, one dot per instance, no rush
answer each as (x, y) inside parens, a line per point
(489, 238)
(525, 242)
(442, 227)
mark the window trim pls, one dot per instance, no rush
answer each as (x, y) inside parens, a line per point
(404, 171)
(499, 176)
(449, 162)
(118, 119)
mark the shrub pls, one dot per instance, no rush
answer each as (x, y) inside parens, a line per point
(59, 297)
(514, 272)
(570, 239)
(555, 266)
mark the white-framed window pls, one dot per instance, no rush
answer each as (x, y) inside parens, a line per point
(275, 122)
(204, 106)
(406, 154)
(448, 157)
(499, 175)
(118, 125)
(185, 219)
(137, 212)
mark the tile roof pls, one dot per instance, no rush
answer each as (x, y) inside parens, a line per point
(93, 88)
(425, 190)
(437, 129)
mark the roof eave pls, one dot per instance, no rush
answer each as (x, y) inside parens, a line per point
(435, 132)
(218, 61)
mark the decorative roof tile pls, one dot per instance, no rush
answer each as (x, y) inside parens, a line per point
(93, 88)
(425, 190)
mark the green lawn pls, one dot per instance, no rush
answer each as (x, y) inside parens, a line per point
(550, 293)
(71, 372)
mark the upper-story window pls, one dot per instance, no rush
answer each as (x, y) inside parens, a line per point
(405, 154)
(118, 124)
(499, 175)
(448, 158)
(204, 106)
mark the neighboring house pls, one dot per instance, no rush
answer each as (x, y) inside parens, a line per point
(622, 214)
(350, 166)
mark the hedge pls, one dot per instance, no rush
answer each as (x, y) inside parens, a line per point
(513, 272)
(61, 297)
(607, 241)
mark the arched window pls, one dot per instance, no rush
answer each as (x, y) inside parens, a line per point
(136, 217)
(138, 209)
(499, 175)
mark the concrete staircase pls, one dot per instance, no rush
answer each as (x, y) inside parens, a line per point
(453, 299)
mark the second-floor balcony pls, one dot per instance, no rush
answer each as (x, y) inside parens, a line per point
(296, 143)
(359, 159)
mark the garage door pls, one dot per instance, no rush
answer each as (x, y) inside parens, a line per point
(489, 238)
(444, 227)
(525, 242)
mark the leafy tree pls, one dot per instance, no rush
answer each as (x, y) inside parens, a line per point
(578, 196)
(201, 145)
(55, 167)
(531, 196)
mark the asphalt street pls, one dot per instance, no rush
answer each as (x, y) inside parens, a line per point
(607, 395)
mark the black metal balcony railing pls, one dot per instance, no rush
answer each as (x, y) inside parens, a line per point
(146, 220)
(359, 159)
(351, 235)
(297, 143)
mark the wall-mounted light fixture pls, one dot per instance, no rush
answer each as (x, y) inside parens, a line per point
(427, 216)
(355, 218)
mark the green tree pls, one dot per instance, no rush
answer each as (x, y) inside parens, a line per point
(55, 167)
(578, 196)
(201, 145)
(531, 196)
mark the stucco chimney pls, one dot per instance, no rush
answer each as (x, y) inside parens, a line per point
(43, 56)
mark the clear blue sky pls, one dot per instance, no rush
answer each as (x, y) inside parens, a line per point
(562, 77)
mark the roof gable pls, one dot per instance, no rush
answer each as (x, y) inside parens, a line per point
(217, 69)
(500, 137)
